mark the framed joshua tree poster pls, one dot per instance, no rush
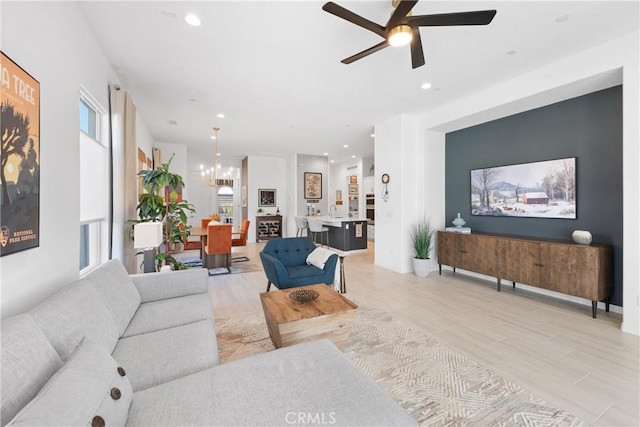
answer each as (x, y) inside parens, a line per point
(20, 155)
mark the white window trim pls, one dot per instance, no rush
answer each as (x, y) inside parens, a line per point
(102, 131)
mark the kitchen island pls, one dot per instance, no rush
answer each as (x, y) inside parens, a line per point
(345, 234)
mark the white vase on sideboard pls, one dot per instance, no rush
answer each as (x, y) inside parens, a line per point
(581, 236)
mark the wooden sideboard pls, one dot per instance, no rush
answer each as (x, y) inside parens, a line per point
(268, 227)
(580, 270)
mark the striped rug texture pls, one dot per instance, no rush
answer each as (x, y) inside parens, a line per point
(434, 383)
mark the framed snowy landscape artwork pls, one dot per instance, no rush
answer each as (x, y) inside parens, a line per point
(545, 189)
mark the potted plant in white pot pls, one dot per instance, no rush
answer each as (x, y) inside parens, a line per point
(422, 239)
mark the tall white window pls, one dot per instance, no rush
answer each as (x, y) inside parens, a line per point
(94, 183)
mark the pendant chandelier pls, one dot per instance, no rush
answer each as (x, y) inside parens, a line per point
(211, 177)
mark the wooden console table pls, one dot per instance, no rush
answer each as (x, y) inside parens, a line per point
(268, 227)
(580, 270)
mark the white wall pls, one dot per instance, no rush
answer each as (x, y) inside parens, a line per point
(52, 42)
(339, 180)
(548, 84)
(291, 202)
(399, 152)
(204, 198)
(306, 163)
(144, 140)
(433, 200)
(266, 173)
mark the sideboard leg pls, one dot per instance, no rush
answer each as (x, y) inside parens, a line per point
(606, 303)
(454, 270)
(514, 285)
(499, 282)
(440, 269)
(594, 308)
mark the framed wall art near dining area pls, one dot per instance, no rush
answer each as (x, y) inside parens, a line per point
(266, 198)
(312, 185)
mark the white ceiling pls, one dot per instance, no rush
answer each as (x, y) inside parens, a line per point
(273, 68)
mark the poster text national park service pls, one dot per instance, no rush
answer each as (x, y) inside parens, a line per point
(20, 155)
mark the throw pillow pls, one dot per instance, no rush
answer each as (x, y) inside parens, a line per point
(90, 389)
(319, 256)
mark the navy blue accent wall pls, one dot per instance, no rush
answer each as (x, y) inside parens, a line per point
(589, 128)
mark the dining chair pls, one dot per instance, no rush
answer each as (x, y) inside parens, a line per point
(242, 240)
(205, 221)
(189, 244)
(218, 246)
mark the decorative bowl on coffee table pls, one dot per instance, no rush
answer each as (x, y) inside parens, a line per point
(303, 295)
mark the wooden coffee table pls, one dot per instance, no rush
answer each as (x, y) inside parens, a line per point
(328, 316)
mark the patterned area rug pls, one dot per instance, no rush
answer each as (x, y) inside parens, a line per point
(434, 383)
(240, 264)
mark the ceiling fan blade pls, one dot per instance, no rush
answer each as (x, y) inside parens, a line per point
(400, 12)
(481, 17)
(417, 55)
(366, 52)
(347, 15)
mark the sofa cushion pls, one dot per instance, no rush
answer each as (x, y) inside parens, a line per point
(311, 383)
(89, 385)
(28, 361)
(171, 284)
(118, 292)
(74, 312)
(163, 314)
(161, 356)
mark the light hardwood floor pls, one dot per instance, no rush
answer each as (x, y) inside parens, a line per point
(551, 347)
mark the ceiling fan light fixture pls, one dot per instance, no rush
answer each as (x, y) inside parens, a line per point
(400, 35)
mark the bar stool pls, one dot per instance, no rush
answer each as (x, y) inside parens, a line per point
(302, 224)
(316, 227)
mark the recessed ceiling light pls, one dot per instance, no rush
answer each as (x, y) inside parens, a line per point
(220, 116)
(192, 19)
(218, 154)
(346, 145)
(353, 156)
(325, 154)
(333, 161)
(562, 18)
(426, 85)
(212, 137)
(373, 135)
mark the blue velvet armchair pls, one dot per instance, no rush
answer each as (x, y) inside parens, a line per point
(284, 262)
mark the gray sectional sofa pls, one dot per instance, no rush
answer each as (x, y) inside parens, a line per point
(114, 349)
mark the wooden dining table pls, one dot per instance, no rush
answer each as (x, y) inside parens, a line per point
(202, 232)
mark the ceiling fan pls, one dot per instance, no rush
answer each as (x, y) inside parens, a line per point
(402, 28)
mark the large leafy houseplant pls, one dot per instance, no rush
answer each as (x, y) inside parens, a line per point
(421, 234)
(152, 206)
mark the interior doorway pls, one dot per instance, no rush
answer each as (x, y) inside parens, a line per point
(225, 205)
